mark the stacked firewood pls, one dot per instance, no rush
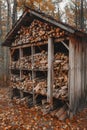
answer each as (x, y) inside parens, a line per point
(25, 62)
(60, 87)
(61, 76)
(25, 83)
(15, 81)
(30, 35)
(14, 78)
(40, 60)
(15, 64)
(41, 87)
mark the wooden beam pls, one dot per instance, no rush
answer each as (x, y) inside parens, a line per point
(20, 55)
(12, 51)
(33, 72)
(79, 65)
(77, 75)
(38, 43)
(21, 94)
(65, 45)
(50, 71)
(83, 71)
(71, 76)
(86, 73)
(52, 21)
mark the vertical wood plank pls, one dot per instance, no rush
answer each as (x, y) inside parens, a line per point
(79, 62)
(20, 55)
(50, 71)
(78, 67)
(86, 72)
(21, 94)
(33, 72)
(75, 75)
(10, 64)
(71, 75)
(83, 74)
(10, 88)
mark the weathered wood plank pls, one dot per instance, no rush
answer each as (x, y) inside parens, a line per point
(50, 70)
(76, 70)
(71, 75)
(33, 72)
(21, 94)
(78, 66)
(86, 72)
(83, 73)
(20, 55)
(53, 22)
(77, 74)
(56, 40)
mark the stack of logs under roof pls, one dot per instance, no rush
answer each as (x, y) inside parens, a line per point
(60, 87)
(30, 35)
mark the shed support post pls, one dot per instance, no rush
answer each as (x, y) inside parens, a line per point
(71, 77)
(86, 74)
(21, 94)
(33, 72)
(76, 75)
(50, 71)
(10, 89)
(20, 55)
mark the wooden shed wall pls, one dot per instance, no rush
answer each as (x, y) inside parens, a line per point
(3, 66)
(77, 73)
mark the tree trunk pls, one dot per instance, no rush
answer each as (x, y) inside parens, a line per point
(1, 49)
(81, 16)
(9, 15)
(14, 16)
(0, 21)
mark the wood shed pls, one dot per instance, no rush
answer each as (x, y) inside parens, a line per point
(48, 58)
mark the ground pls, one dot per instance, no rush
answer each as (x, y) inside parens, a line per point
(18, 116)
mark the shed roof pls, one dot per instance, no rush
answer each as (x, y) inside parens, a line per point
(29, 15)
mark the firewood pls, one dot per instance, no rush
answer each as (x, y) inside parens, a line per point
(30, 35)
(61, 111)
(60, 87)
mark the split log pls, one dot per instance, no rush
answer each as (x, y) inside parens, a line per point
(30, 35)
(60, 87)
(60, 113)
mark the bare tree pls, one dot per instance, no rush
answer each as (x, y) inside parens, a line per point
(8, 15)
(1, 49)
(81, 16)
(14, 15)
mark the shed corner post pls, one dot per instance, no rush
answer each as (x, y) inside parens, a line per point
(71, 77)
(20, 56)
(76, 74)
(33, 73)
(50, 77)
(86, 73)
